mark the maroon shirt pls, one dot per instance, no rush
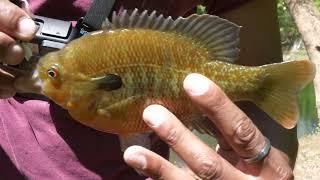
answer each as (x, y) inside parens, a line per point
(39, 140)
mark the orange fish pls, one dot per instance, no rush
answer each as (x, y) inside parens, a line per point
(107, 78)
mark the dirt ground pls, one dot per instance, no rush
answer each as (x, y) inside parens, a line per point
(308, 160)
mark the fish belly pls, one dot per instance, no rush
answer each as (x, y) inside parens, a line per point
(152, 66)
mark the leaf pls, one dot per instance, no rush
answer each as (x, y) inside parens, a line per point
(201, 9)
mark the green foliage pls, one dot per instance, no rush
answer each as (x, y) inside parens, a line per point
(317, 2)
(201, 9)
(308, 112)
(288, 30)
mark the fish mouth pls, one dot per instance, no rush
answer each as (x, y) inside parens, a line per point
(37, 82)
(29, 83)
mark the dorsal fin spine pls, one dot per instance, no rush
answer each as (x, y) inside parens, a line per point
(219, 36)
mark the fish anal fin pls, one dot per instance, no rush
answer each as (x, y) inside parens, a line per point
(219, 36)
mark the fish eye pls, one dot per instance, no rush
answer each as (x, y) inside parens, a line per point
(53, 72)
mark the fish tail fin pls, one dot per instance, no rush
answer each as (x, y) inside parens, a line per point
(278, 96)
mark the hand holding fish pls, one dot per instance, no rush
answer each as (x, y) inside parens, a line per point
(238, 139)
(107, 78)
(15, 23)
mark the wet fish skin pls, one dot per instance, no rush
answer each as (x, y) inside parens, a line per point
(152, 65)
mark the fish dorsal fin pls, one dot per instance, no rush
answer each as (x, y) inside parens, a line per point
(219, 36)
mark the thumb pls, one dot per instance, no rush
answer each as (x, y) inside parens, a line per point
(16, 22)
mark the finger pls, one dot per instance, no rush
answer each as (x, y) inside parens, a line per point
(12, 71)
(236, 127)
(228, 154)
(276, 166)
(23, 4)
(15, 22)
(223, 148)
(6, 84)
(10, 53)
(17, 80)
(201, 159)
(8, 76)
(5, 41)
(152, 165)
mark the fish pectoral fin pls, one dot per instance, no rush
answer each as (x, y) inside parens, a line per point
(109, 82)
(140, 139)
(219, 36)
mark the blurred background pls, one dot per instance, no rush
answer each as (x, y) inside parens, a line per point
(293, 48)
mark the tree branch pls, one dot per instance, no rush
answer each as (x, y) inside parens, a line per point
(307, 19)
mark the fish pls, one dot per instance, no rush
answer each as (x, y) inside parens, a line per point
(106, 78)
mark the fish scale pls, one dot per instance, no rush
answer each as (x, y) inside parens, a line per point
(141, 50)
(152, 59)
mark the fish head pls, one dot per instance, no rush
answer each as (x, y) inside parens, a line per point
(53, 78)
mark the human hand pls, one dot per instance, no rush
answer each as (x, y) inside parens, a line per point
(238, 139)
(15, 23)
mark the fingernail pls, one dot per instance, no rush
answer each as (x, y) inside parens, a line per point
(134, 157)
(14, 55)
(26, 27)
(196, 84)
(155, 115)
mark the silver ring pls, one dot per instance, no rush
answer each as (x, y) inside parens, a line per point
(262, 154)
